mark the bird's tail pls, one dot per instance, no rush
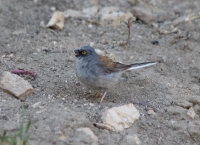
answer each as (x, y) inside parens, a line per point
(141, 65)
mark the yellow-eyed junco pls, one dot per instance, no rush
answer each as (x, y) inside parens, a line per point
(99, 72)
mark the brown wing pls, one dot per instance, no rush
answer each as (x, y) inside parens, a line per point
(111, 66)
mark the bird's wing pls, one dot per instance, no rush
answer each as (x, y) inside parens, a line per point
(110, 66)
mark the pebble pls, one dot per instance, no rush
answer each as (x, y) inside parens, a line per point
(37, 104)
(144, 15)
(86, 135)
(131, 140)
(183, 103)
(41, 111)
(151, 112)
(91, 104)
(101, 33)
(194, 129)
(191, 113)
(104, 41)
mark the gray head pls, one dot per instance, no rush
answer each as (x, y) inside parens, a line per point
(85, 52)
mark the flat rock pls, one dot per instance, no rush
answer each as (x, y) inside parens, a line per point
(151, 112)
(15, 85)
(91, 11)
(194, 99)
(120, 118)
(74, 14)
(86, 136)
(191, 113)
(144, 15)
(131, 140)
(113, 16)
(194, 129)
(176, 110)
(183, 103)
(178, 125)
(57, 21)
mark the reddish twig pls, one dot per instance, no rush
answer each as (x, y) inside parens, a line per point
(128, 24)
(17, 71)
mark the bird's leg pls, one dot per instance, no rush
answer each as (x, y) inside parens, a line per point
(97, 94)
(103, 96)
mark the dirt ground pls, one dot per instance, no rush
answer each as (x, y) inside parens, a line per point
(169, 88)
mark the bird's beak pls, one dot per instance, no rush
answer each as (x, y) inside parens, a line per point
(76, 52)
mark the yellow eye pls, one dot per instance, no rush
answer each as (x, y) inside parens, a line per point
(84, 52)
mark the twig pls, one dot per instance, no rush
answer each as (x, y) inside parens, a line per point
(17, 71)
(128, 24)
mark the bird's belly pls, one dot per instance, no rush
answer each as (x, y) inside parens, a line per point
(97, 80)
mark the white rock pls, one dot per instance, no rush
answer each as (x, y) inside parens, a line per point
(57, 20)
(86, 135)
(74, 14)
(183, 103)
(194, 129)
(113, 16)
(16, 85)
(144, 14)
(107, 10)
(100, 52)
(151, 112)
(36, 105)
(131, 140)
(120, 118)
(191, 113)
(91, 11)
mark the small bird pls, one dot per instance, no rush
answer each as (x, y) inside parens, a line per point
(99, 72)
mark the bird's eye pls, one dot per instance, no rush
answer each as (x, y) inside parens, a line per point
(84, 52)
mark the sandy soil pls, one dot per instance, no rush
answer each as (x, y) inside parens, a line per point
(66, 104)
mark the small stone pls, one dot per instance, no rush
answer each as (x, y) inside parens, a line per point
(112, 16)
(36, 105)
(73, 13)
(131, 57)
(151, 112)
(52, 9)
(91, 44)
(57, 21)
(91, 11)
(104, 41)
(75, 100)
(90, 26)
(132, 2)
(86, 135)
(191, 113)
(120, 118)
(155, 42)
(176, 110)
(194, 99)
(194, 129)
(131, 140)
(100, 52)
(20, 31)
(178, 125)
(16, 85)
(101, 33)
(41, 111)
(183, 103)
(91, 104)
(144, 15)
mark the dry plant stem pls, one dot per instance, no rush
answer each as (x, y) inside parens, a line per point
(16, 71)
(103, 96)
(128, 24)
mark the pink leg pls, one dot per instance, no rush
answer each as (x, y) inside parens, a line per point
(103, 96)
